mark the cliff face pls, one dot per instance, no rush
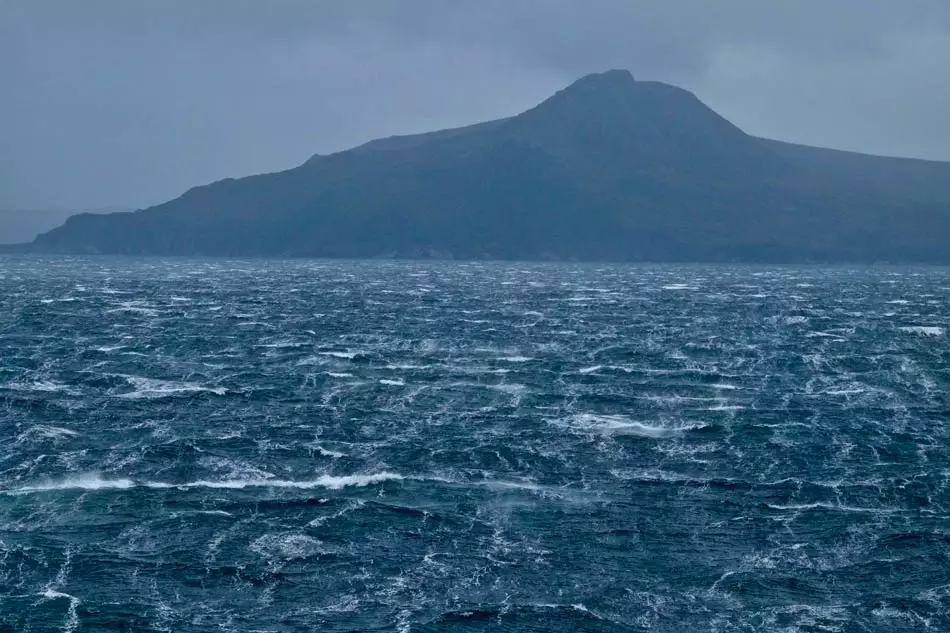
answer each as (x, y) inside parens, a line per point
(607, 169)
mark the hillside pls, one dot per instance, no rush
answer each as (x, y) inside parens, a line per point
(20, 225)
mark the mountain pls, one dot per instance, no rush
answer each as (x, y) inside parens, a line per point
(609, 168)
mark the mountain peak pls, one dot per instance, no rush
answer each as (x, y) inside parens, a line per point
(611, 84)
(612, 119)
(618, 92)
(616, 76)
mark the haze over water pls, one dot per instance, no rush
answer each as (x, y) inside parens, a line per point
(191, 445)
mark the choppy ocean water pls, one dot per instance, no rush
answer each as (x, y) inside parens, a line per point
(209, 445)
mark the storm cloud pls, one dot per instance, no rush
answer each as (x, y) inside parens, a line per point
(126, 104)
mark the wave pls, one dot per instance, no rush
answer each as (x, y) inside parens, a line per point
(725, 407)
(108, 349)
(323, 520)
(150, 388)
(135, 307)
(924, 330)
(87, 481)
(319, 450)
(93, 481)
(72, 617)
(545, 616)
(287, 546)
(342, 355)
(45, 386)
(622, 425)
(492, 484)
(678, 287)
(283, 345)
(837, 337)
(46, 432)
(821, 505)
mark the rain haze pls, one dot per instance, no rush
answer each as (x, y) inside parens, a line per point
(126, 104)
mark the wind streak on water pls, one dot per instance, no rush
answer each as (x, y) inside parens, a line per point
(297, 446)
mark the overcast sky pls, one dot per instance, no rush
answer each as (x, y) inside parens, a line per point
(126, 103)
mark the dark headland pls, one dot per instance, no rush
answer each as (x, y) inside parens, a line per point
(608, 169)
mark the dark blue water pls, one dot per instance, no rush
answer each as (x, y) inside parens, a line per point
(310, 446)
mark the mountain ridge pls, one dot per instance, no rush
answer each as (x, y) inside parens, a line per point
(609, 168)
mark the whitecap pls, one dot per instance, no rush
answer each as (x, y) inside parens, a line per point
(106, 349)
(343, 355)
(511, 388)
(830, 506)
(93, 481)
(86, 481)
(326, 481)
(149, 388)
(725, 407)
(47, 432)
(72, 616)
(282, 344)
(135, 308)
(39, 385)
(825, 335)
(233, 469)
(287, 546)
(619, 425)
(590, 370)
(399, 382)
(924, 330)
(844, 392)
(322, 520)
(516, 359)
(678, 287)
(509, 485)
(319, 450)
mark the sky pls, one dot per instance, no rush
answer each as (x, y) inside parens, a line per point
(125, 104)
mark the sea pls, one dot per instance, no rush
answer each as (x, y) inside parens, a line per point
(282, 446)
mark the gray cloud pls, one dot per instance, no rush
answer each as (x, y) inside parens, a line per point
(116, 103)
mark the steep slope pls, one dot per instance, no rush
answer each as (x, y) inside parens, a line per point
(19, 225)
(607, 169)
